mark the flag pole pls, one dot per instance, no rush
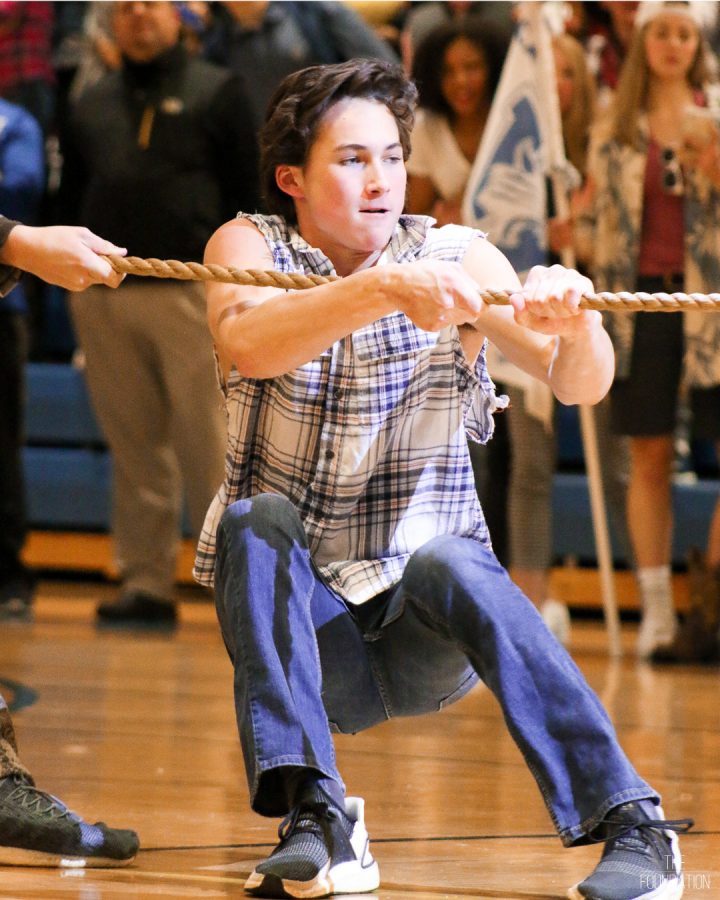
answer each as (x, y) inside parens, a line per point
(558, 167)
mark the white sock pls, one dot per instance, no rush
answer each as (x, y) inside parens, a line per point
(658, 623)
(655, 588)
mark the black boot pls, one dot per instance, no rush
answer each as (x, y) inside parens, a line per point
(137, 609)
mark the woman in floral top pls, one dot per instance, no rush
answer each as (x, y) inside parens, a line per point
(655, 177)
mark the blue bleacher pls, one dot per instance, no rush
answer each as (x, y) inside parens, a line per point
(68, 470)
(67, 465)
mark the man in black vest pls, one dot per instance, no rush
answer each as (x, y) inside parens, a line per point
(265, 41)
(157, 156)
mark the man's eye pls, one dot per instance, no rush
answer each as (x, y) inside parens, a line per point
(350, 160)
(394, 159)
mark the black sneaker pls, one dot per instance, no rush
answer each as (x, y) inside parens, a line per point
(16, 596)
(137, 609)
(322, 851)
(641, 862)
(36, 829)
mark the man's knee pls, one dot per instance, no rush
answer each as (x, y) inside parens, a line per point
(445, 555)
(265, 514)
(448, 562)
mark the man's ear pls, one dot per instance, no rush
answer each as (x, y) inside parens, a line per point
(289, 180)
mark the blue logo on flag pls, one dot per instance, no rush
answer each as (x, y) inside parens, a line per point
(506, 199)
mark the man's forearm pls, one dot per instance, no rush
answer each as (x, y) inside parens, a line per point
(582, 366)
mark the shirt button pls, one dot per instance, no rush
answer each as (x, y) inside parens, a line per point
(329, 454)
(337, 393)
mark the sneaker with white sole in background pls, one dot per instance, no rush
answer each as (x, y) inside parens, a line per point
(557, 618)
(642, 861)
(322, 851)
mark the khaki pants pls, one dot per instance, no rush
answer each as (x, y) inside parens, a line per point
(150, 372)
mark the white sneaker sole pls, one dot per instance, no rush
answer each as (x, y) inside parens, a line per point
(345, 878)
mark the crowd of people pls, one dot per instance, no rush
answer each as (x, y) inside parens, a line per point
(340, 526)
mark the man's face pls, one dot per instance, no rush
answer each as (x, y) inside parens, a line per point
(352, 188)
(145, 30)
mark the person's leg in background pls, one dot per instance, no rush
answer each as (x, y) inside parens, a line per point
(530, 520)
(614, 453)
(17, 584)
(198, 427)
(126, 387)
(644, 407)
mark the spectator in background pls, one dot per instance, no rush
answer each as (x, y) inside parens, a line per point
(265, 41)
(100, 53)
(424, 17)
(22, 178)
(156, 156)
(26, 72)
(456, 68)
(385, 17)
(607, 44)
(656, 227)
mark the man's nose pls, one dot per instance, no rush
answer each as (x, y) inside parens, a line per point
(377, 182)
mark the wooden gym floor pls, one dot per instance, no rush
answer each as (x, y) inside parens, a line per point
(139, 731)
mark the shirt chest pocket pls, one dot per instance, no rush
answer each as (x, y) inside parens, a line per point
(394, 371)
(391, 338)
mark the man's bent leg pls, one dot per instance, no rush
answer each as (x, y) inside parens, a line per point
(294, 645)
(557, 721)
(295, 648)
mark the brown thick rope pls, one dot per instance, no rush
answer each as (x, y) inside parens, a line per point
(624, 301)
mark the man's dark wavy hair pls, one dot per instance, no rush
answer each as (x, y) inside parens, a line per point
(298, 105)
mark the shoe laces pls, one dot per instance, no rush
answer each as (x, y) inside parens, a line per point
(309, 818)
(33, 799)
(634, 836)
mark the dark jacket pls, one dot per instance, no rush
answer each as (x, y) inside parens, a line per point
(291, 36)
(157, 156)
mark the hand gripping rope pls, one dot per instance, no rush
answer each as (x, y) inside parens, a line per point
(624, 301)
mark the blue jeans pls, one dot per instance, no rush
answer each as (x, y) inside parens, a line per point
(306, 664)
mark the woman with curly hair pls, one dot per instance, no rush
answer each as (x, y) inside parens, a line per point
(456, 69)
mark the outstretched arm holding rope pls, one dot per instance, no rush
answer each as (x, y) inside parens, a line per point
(265, 332)
(544, 331)
(67, 255)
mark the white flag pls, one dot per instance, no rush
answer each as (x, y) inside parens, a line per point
(506, 192)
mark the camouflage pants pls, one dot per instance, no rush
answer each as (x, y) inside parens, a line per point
(9, 762)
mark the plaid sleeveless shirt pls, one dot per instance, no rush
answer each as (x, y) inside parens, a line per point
(369, 440)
